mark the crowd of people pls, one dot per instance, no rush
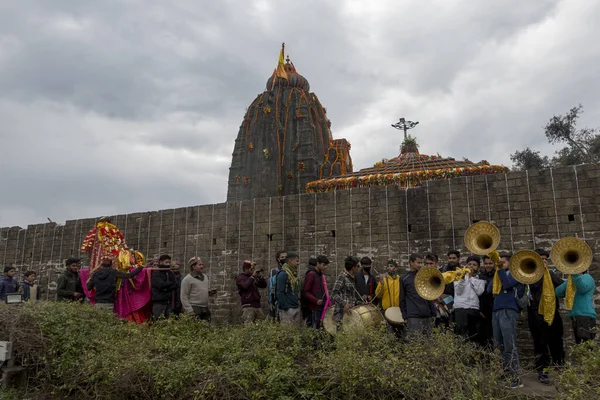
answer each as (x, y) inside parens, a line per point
(482, 305)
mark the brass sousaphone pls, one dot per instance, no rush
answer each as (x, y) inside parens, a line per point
(482, 238)
(527, 266)
(571, 255)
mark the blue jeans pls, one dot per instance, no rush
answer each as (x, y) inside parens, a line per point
(504, 324)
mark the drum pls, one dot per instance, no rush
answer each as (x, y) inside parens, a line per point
(329, 322)
(362, 316)
(393, 316)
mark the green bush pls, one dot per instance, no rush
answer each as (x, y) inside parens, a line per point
(73, 350)
(580, 378)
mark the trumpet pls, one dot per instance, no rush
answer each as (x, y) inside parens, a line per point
(571, 255)
(430, 282)
(527, 266)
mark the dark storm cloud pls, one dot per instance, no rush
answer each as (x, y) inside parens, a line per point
(120, 106)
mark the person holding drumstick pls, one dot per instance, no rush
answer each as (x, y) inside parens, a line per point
(388, 291)
(344, 295)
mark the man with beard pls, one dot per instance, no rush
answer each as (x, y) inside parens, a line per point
(314, 292)
(366, 284)
(272, 296)
(287, 290)
(546, 330)
(486, 303)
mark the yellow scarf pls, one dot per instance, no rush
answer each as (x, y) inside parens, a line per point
(496, 284)
(570, 293)
(292, 274)
(547, 306)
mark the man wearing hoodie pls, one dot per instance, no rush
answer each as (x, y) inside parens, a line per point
(8, 284)
(69, 287)
(248, 283)
(314, 292)
(582, 314)
(504, 319)
(104, 281)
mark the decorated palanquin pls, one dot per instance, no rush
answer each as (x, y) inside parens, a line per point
(103, 240)
(132, 298)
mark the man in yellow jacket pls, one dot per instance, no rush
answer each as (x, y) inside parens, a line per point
(388, 290)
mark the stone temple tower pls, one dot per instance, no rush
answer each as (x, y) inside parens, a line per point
(284, 141)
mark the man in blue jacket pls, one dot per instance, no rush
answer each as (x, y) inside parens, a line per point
(583, 314)
(287, 291)
(504, 320)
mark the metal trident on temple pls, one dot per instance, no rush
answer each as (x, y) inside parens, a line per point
(405, 125)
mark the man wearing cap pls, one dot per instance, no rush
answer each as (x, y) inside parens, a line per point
(164, 283)
(314, 292)
(366, 284)
(195, 291)
(248, 283)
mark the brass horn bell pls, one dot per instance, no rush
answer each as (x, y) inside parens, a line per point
(482, 238)
(430, 282)
(527, 266)
(571, 255)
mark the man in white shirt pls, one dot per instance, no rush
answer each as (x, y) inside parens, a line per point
(466, 301)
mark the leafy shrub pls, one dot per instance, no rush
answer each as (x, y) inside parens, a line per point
(73, 350)
(580, 378)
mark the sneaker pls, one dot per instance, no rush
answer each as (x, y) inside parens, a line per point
(516, 383)
(543, 378)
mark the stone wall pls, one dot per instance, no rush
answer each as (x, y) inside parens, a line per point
(532, 209)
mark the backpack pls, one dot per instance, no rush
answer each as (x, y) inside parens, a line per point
(522, 296)
(273, 289)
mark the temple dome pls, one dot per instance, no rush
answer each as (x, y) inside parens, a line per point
(294, 79)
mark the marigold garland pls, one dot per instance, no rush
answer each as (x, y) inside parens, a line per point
(405, 179)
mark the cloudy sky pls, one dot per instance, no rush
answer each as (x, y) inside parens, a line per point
(111, 107)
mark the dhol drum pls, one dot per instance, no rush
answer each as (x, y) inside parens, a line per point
(362, 316)
(359, 317)
(393, 316)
